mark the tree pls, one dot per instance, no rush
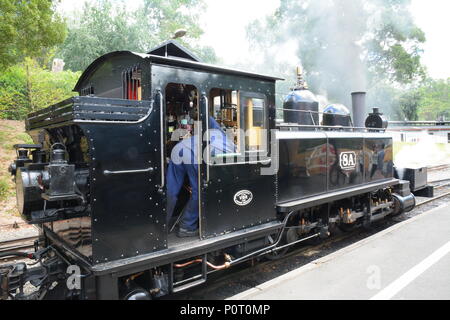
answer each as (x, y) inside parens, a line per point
(344, 45)
(28, 87)
(27, 28)
(435, 100)
(408, 105)
(104, 26)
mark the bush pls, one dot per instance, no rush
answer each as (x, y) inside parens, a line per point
(4, 188)
(28, 87)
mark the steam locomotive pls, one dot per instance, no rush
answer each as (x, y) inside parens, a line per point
(94, 181)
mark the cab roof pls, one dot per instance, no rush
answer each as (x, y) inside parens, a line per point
(172, 54)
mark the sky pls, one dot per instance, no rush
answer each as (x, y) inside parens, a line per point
(224, 24)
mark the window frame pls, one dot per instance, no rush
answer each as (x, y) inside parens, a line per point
(261, 155)
(255, 95)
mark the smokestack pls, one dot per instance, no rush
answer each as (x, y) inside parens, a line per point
(359, 109)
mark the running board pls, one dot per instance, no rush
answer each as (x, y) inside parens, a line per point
(333, 196)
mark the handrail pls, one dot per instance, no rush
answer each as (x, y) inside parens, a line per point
(108, 172)
(358, 129)
(159, 96)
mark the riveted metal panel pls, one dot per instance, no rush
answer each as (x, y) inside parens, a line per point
(219, 184)
(128, 212)
(222, 214)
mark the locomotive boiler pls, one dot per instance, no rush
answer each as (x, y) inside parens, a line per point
(95, 184)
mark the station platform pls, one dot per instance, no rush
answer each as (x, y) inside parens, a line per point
(410, 260)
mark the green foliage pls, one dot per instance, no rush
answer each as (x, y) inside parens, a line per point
(435, 100)
(13, 93)
(428, 101)
(28, 87)
(395, 44)
(27, 27)
(408, 105)
(105, 26)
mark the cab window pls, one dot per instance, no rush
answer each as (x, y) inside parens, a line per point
(242, 117)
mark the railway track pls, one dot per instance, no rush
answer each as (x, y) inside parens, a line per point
(441, 167)
(25, 244)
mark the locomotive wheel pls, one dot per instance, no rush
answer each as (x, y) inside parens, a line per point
(289, 236)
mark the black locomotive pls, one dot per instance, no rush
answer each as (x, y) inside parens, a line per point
(95, 181)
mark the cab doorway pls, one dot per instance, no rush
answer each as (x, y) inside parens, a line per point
(182, 173)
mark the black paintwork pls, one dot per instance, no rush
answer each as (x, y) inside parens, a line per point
(310, 166)
(117, 147)
(219, 183)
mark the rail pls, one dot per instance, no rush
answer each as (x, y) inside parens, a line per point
(20, 244)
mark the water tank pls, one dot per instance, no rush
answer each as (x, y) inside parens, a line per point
(301, 107)
(337, 115)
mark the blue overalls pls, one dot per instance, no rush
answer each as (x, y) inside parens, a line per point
(184, 162)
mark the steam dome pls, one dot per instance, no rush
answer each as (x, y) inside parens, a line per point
(298, 103)
(337, 115)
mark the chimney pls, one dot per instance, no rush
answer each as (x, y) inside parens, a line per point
(359, 109)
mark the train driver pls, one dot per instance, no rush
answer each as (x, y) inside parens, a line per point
(184, 163)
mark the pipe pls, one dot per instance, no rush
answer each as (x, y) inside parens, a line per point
(221, 267)
(359, 109)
